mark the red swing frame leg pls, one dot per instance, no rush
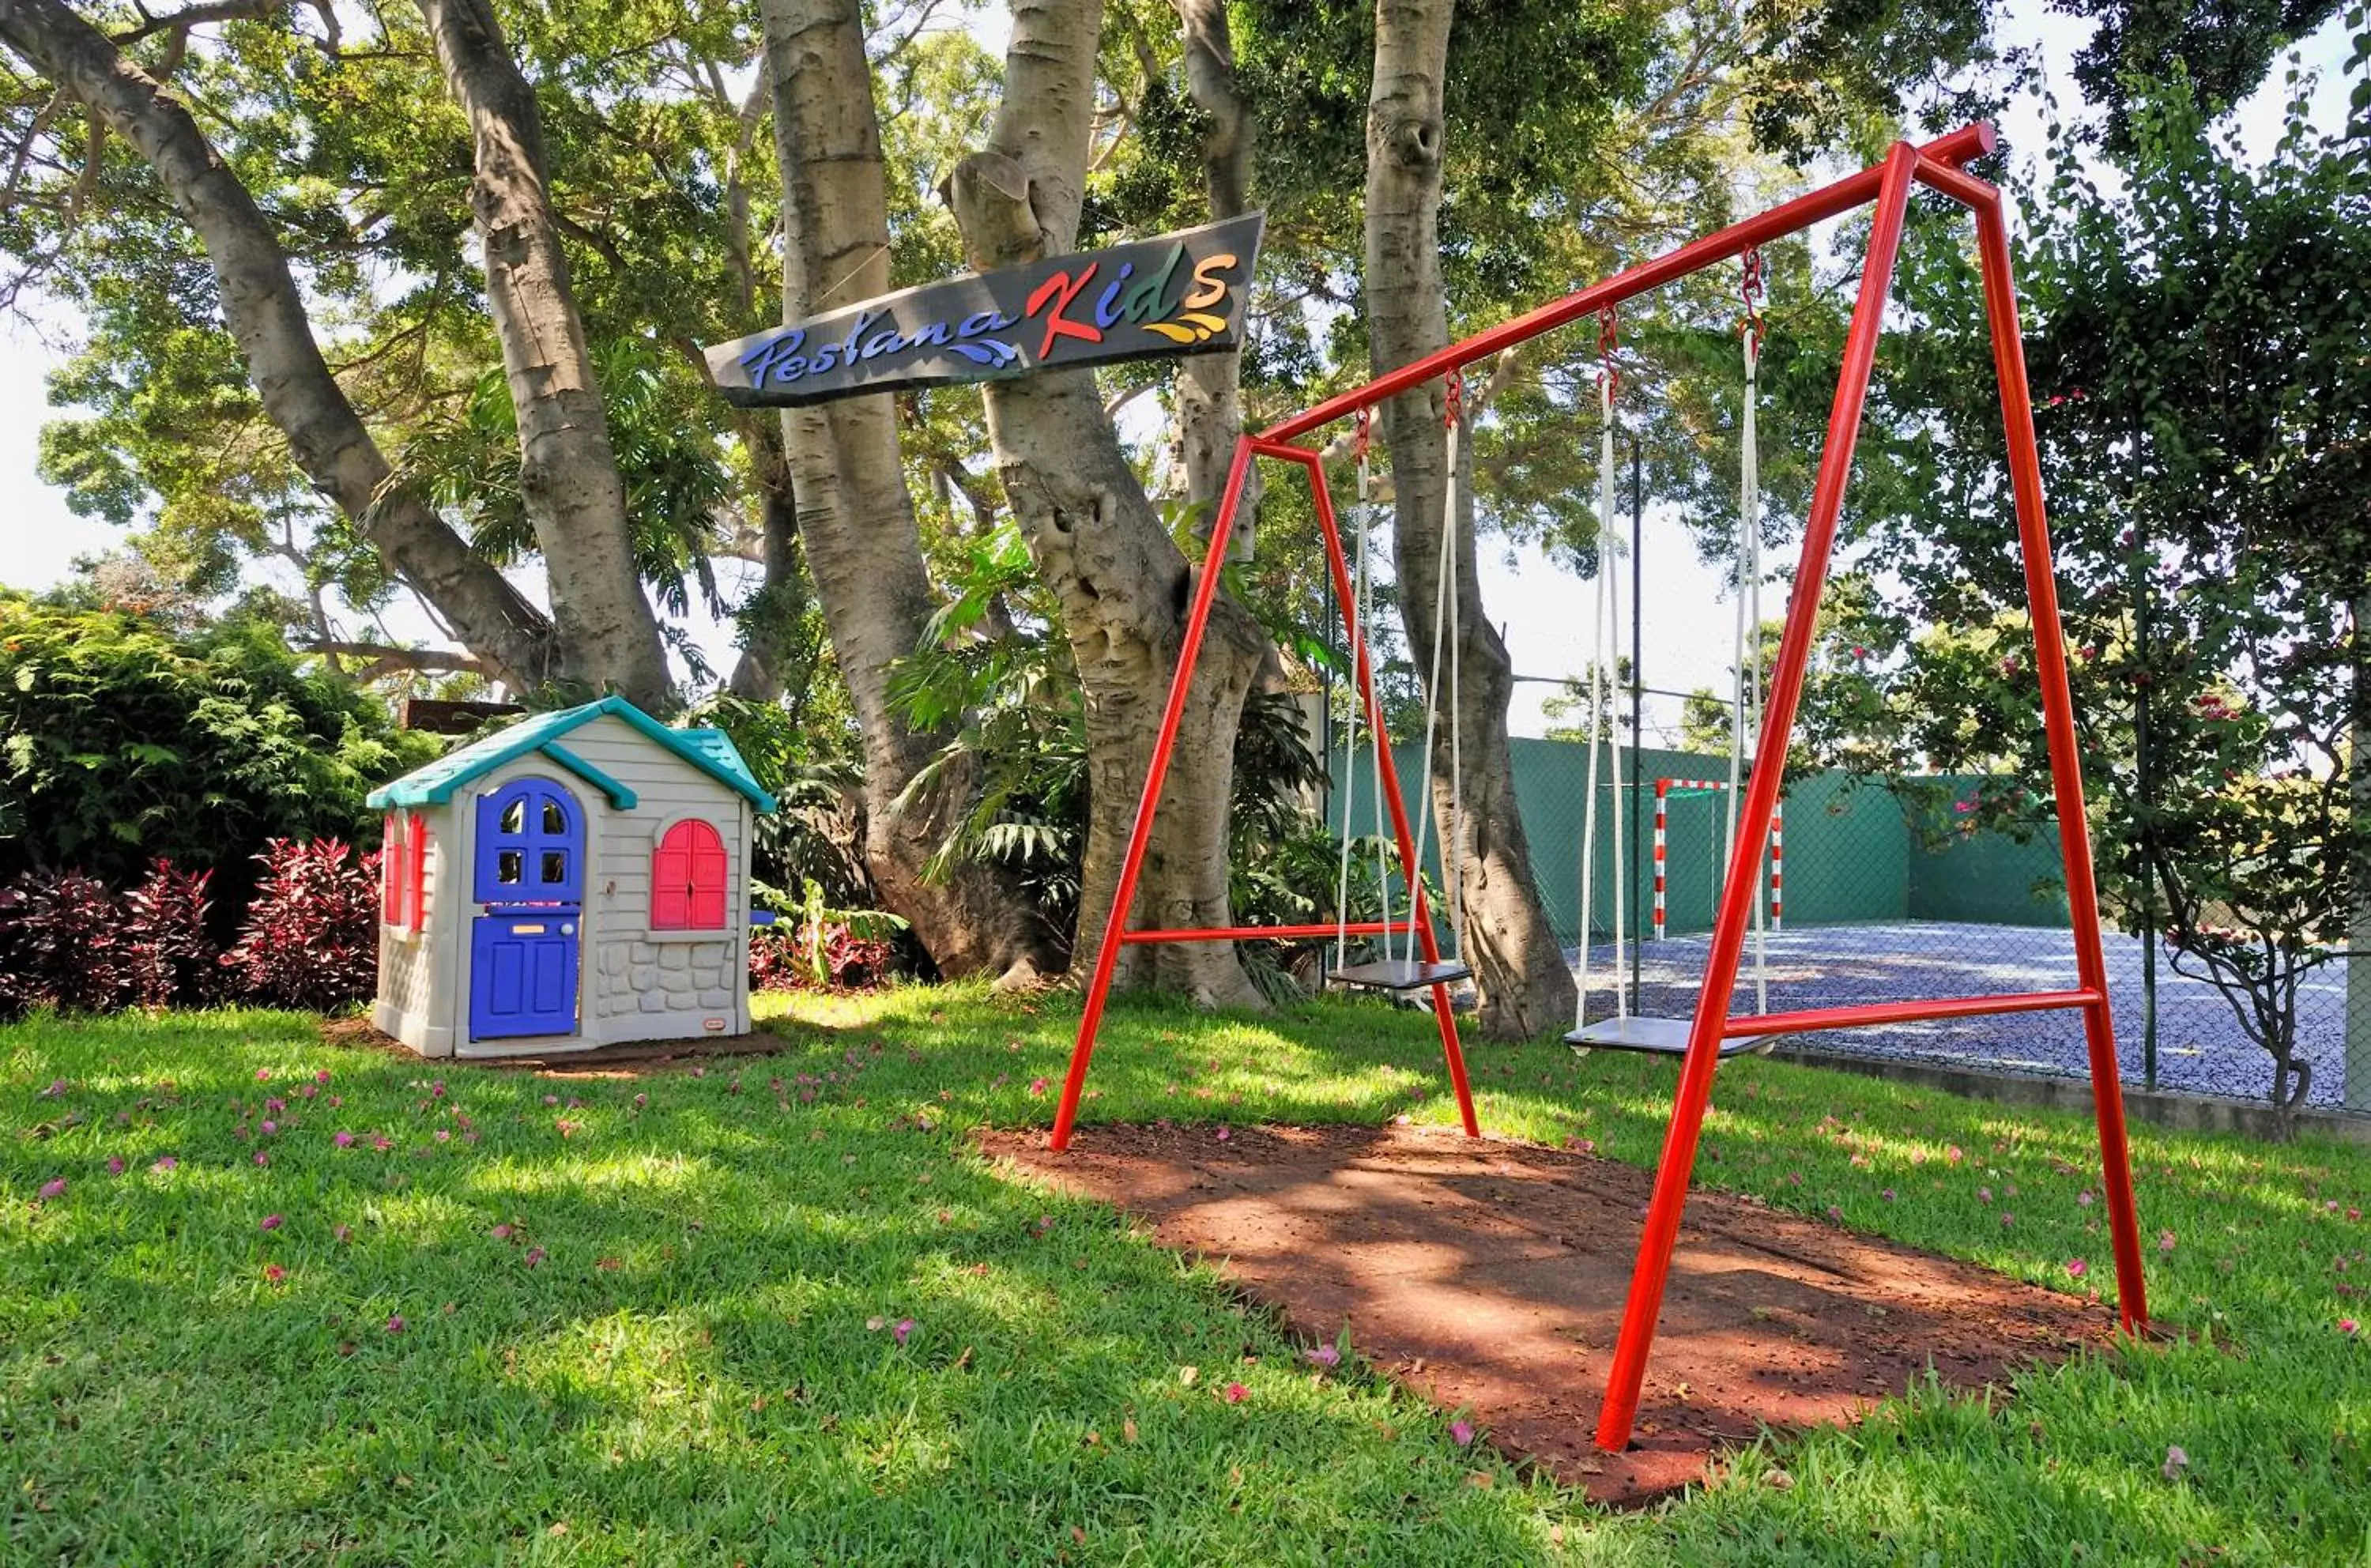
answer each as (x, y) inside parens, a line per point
(1903, 165)
(1115, 932)
(2066, 765)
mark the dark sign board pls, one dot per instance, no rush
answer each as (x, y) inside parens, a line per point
(441, 718)
(1182, 294)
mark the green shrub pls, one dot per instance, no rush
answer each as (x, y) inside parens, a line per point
(122, 740)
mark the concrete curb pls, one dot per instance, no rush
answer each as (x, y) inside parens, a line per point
(2184, 1112)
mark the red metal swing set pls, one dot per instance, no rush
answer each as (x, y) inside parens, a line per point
(1937, 166)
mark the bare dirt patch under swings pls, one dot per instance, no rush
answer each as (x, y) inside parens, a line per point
(1489, 1276)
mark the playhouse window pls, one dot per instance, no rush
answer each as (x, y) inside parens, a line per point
(687, 878)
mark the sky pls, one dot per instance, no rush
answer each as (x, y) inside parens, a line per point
(1542, 609)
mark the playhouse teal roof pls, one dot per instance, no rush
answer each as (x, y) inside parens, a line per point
(711, 751)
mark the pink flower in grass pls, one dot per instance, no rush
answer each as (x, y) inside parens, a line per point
(263, 1075)
(1460, 1431)
(2165, 1240)
(321, 1076)
(54, 1188)
(273, 1274)
(1037, 1086)
(2348, 1327)
(343, 1232)
(902, 1330)
(271, 1222)
(115, 1166)
(534, 1256)
(1835, 1212)
(270, 1129)
(1887, 1194)
(1983, 1194)
(1234, 1393)
(262, 1158)
(342, 1138)
(1952, 1156)
(1324, 1355)
(2008, 1220)
(165, 1162)
(395, 1323)
(2084, 1198)
(502, 1232)
(2076, 1268)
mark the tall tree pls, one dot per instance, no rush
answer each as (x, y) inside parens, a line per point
(1099, 542)
(1519, 966)
(568, 476)
(855, 517)
(261, 305)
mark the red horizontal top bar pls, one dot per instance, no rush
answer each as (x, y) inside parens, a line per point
(1902, 1012)
(1817, 206)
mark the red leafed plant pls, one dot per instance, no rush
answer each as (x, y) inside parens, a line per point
(171, 959)
(311, 936)
(828, 956)
(62, 944)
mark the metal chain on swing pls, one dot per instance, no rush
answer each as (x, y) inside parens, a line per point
(1445, 611)
(1745, 720)
(1605, 645)
(1753, 289)
(1361, 662)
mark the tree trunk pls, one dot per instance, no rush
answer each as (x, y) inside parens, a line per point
(769, 621)
(1210, 390)
(568, 471)
(1099, 543)
(856, 522)
(266, 316)
(1518, 967)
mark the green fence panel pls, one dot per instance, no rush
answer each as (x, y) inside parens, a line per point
(1851, 856)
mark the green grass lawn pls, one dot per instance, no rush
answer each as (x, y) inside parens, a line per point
(776, 1312)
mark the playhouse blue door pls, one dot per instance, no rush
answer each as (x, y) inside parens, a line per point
(528, 878)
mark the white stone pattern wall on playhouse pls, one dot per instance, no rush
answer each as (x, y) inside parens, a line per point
(667, 977)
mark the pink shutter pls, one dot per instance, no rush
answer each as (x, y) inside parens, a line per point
(415, 874)
(671, 881)
(391, 870)
(707, 878)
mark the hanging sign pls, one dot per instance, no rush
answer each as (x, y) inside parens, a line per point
(1180, 293)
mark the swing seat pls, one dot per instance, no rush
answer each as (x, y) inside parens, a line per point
(1658, 1037)
(1400, 974)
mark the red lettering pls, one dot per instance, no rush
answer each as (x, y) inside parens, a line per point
(1060, 289)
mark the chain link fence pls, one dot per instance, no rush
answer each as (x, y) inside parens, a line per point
(1885, 890)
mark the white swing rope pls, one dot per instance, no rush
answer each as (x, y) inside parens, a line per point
(1602, 687)
(1444, 613)
(1745, 713)
(1361, 658)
